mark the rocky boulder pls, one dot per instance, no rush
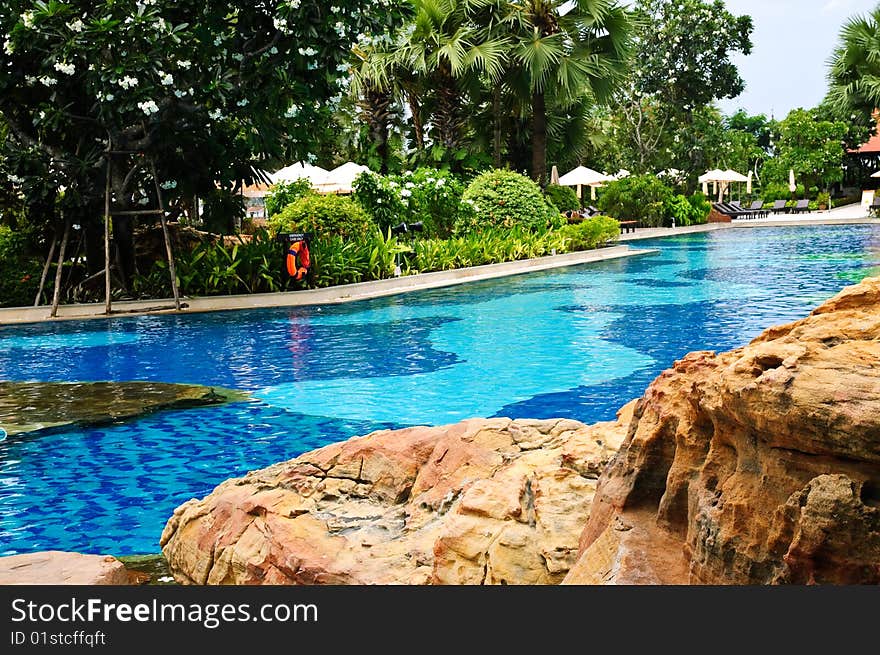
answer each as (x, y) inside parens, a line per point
(756, 466)
(56, 567)
(479, 502)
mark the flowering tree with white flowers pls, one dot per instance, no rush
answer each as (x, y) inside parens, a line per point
(211, 90)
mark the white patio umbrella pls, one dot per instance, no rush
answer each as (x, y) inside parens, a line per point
(299, 170)
(554, 175)
(583, 176)
(722, 178)
(791, 185)
(749, 184)
(341, 179)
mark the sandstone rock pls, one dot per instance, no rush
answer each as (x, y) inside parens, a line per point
(479, 502)
(56, 567)
(760, 465)
(32, 406)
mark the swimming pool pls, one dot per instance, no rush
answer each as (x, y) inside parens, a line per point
(576, 342)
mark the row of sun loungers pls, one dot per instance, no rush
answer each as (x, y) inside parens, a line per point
(757, 210)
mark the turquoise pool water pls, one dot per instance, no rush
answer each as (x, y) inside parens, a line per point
(577, 342)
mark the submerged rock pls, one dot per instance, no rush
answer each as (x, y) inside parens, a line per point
(756, 466)
(56, 567)
(479, 502)
(27, 407)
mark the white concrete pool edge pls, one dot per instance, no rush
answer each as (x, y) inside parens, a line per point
(327, 296)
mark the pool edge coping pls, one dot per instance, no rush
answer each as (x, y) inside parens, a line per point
(314, 297)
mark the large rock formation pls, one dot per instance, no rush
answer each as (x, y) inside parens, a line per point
(27, 407)
(761, 465)
(483, 501)
(757, 466)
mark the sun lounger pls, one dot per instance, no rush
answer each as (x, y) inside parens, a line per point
(779, 206)
(802, 205)
(758, 207)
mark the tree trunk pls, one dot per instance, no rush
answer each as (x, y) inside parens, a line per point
(377, 107)
(415, 108)
(123, 226)
(539, 138)
(496, 127)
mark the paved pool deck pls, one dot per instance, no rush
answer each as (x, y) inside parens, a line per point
(328, 296)
(852, 214)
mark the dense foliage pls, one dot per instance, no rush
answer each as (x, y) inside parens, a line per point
(563, 198)
(639, 197)
(19, 270)
(209, 91)
(286, 193)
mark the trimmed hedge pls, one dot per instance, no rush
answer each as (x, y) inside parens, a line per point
(324, 216)
(505, 199)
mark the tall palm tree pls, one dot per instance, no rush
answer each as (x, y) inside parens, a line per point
(854, 73)
(564, 49)
(437, 59)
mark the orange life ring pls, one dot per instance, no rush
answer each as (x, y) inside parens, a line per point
(298, 260)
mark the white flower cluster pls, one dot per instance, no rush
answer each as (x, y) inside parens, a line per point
(127, 82)
(105, 97)
(45, 80)
(167, 79)
(64, 67)
(292, 111)
(169, 184)
(242, 102)
(149, 107)
(27, 19)
(280, 24)
(215, 114)
(184, 63)
(308, 52)
(75, 26)
(7, 47)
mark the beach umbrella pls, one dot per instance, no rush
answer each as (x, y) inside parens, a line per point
(749, 184)
(299, 170)
(791, 185)
(583, 176)
(554, 175)
(341, 179)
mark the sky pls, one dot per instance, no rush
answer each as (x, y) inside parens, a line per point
(792, 42)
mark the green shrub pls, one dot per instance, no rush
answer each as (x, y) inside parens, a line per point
(700, 208)
(589, 233)
(286, 193)
(814, 192)
(380, 197)
(19, 271)
(324, 216)
(824, 198)
(337, 261)
(563, 197)
(254, 265)
(503, 198)
(432, 197)
(679, 210)
(638, 197)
